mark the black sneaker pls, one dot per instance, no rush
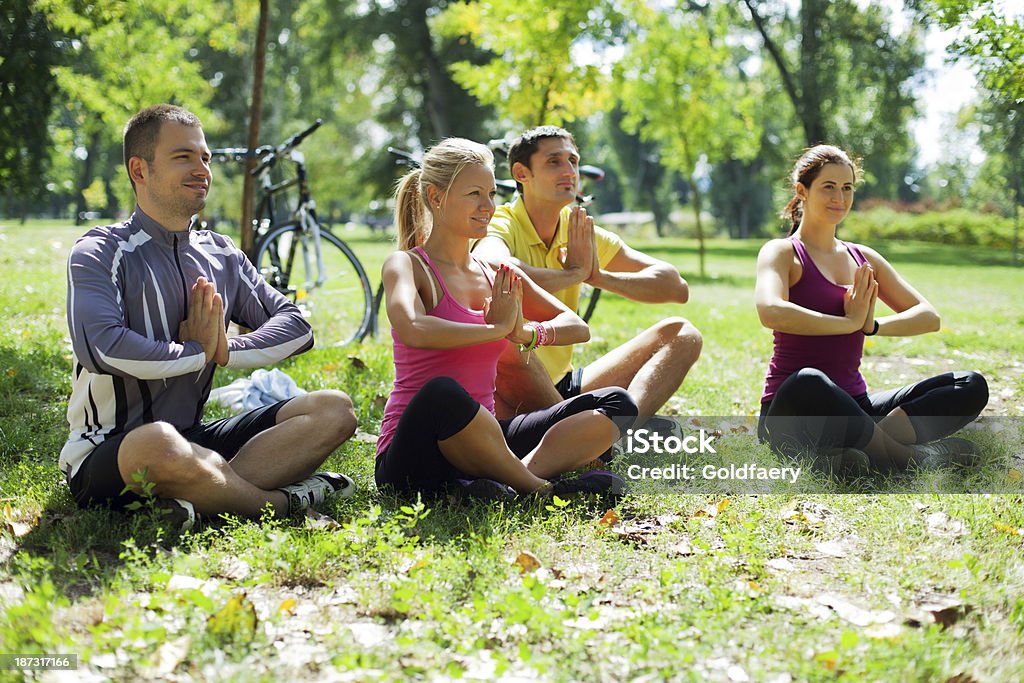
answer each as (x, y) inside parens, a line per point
(844, 463)
(664, 426)
(178, 514)
(484, 489)
(945, 453)
(316, 490)
(594, 481)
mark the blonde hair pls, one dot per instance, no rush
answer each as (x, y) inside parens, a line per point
(441, 165)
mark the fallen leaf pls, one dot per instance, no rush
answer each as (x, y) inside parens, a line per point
(781, 564)
(288, 606)
(180, 582)
(365, 437)
(418, 564)
(962, 678)
(889, 631)
(831, 549)
(1007, 529)
(170, 655)
(318, 520)
(683, 548)
(237, 619)
(1013, 475)
(356, 362)
(857, 616)
(941, 523)
(610, 518)
(713, 509)
(527, 562)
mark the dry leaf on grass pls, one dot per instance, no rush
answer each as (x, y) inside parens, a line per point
(527, 562)
(1008, 529)
(356, 362)
(317, 520)
(365, 437)
(857, 616)
(712, 510)
(610, 518)
(236, 619)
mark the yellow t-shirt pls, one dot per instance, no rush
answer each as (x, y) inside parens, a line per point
(512, 225)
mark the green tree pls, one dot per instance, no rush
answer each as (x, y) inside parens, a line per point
(120, 57)
(538, 72)
(993, 42)
(28, 54)
(679, 87)
(847, 75)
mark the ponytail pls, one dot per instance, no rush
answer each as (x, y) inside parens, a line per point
(411, 215)
(794, 212)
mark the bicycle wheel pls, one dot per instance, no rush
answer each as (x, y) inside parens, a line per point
(336, 300)
(588, 301)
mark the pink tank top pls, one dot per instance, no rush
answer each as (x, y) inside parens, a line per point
(838, 355)
(473, 367)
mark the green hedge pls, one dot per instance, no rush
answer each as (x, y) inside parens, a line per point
(956, 226)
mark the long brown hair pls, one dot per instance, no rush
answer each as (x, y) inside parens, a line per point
(806, 169)
(441, 166)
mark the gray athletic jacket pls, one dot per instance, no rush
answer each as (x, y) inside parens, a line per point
(128, 289)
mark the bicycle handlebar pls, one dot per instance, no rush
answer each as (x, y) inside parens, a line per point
(403, 158)
(285, 146)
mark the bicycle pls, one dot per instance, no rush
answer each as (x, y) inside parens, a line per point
(298, 256)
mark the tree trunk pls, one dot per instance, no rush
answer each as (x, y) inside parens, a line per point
(85, 179)
(249, 183)
(812, 18)
(434, 97)
(700, 224)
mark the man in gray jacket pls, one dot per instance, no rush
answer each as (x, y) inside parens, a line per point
(148, 305)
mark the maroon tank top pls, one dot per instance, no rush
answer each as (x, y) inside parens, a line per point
(837, 355)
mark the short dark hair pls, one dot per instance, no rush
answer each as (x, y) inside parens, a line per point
(523, 147)
(143, 129)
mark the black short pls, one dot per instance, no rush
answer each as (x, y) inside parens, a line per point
(99, 482)
(572, 384)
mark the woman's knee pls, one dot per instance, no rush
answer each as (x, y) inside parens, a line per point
(975, 386)
(616, 402)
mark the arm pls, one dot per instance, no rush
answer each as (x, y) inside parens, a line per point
(96, 313)
(642, 278)
(913, 313)
(495, 252)
(540, 305)
(278, 329)
(409, 317)
(776, 312)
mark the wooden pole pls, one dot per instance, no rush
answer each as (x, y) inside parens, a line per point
(249, 183)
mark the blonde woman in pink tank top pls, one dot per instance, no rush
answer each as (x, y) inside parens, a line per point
(818, 294)
(451, 317)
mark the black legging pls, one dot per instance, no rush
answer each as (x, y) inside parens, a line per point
(809, 411)
(442, 408)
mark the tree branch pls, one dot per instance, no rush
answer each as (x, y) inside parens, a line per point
(776, 54)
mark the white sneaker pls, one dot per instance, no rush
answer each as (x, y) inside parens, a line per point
(317, 489)
(179, 514)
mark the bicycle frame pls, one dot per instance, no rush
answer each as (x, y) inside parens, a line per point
(304, 216)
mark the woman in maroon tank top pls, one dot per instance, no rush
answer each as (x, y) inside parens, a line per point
(818, 294)
(451, 318)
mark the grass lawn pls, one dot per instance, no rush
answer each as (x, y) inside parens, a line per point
(814, 584)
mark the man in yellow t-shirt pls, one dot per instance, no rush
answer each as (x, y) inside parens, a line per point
(558, 246)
